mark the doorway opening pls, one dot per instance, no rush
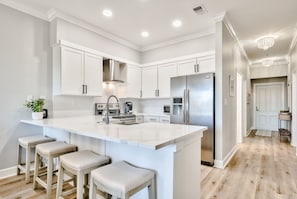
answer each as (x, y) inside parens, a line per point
(269, 98)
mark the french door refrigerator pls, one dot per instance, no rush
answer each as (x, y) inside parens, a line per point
(192, 103)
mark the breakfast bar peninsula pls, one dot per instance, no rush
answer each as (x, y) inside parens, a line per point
(173, 151)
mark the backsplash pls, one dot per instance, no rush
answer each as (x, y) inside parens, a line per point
(153, 105)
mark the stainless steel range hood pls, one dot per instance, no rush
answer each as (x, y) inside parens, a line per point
(111, 71)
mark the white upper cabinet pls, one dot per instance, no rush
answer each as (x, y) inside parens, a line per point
(206, 65)
(149, 82)
(196, 65)
(72, 62)
(132, 87)
(76, 72)
(187, 67)
(165, 72)
(93, 75)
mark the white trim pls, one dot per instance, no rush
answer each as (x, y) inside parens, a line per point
(200, 55)
(233, 33)
(254, 97)
(24, 9)
(53, 14)
(8, 172)
(92, 51)
(219, 17)
(179, 40)
(221, 164)
(294, 42)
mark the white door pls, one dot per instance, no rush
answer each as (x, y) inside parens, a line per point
(93, 75)
(72, 71)
(239, 108)
(269, 101)
(294, 109)
(149, 81)
(165, 72)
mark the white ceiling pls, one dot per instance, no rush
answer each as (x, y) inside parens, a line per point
(250, 19)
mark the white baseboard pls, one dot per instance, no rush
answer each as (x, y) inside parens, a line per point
(221, 164)
(8, 172)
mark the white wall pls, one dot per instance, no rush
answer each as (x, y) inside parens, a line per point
(267, 72)
(229, 61)
(194, 46)
(63, 30)
(25, 69)
(293, 70)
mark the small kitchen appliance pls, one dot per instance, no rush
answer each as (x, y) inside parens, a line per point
(128, 107)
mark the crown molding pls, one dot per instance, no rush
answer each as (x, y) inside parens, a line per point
(53, 14)
(233, 33)
(178, 40)
(294, 42)
(220, 17)
(24, 9)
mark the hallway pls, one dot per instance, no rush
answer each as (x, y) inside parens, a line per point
(262, 168)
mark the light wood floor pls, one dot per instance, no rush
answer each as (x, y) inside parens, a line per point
(262, 168)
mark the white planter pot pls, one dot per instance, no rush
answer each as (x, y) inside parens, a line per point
(37, 115)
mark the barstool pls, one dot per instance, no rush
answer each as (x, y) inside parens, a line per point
(79, 163)
(49, 151)
(122, 180)
(29, 143)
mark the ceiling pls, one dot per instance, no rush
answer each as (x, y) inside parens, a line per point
(250, 19)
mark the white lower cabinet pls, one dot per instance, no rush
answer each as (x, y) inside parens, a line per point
(139, 118)
(149, 118)
(164, 119)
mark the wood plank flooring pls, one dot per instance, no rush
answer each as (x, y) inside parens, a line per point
(262, 168)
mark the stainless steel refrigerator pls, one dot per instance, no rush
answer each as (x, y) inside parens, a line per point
(192, 102)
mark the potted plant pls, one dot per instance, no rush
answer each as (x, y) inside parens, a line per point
(36, 105)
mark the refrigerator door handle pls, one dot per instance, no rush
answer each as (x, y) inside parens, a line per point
(184, 109)
(187, 106)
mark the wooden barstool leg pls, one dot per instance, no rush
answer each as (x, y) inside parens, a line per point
(28, 162)
(60, 181)
(36, 169)
(49, 177)
(19, 159)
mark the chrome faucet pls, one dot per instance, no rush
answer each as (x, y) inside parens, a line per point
(107, 108)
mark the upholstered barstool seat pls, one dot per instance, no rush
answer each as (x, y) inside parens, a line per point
(49, 151)
(29, 143)
(79, 163)
(122, 180)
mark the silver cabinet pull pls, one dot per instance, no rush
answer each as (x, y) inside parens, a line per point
(197, 65)
(140, 93)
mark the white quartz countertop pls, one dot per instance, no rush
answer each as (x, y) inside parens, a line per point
(148, 135)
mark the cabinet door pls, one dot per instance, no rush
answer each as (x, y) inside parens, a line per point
(93, 75)
(186, 67)
(71, 71)
(206, 65)
(151, 119)
(164, 119)
(149, 81)
(133, 84)
(165, 72)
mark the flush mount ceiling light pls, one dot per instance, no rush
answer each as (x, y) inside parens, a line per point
(265, 42)
(177, 23)
(107, 13)
(267, 62)
(145, 34)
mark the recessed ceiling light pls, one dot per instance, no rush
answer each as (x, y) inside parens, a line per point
(177, 23)
(145, 34)
(107, 12)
